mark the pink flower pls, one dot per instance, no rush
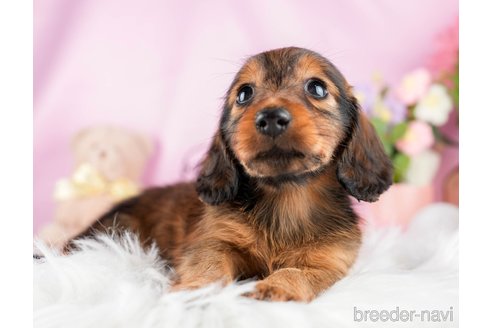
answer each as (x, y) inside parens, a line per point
(416, 139)
(445, 56)
(413, 86)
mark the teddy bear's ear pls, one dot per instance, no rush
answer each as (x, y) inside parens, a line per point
(145, 143)
(79, 138)
(80, 142)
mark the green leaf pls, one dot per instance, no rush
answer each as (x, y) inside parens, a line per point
(398, 132)
(388, 147)
(382, 131)
(455, 92)
(400, 164)
(380, 127)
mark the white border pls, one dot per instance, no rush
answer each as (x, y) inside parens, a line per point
(16, 165)
(475, 163)
(16, 69)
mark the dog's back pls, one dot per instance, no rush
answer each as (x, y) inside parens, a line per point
(164, 215)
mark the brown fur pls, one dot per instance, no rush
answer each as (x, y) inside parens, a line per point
(272, 208)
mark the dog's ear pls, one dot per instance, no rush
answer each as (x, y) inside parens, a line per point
(218, 178)
(363, 168)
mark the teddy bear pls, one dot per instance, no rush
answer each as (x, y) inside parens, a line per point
(109, 162)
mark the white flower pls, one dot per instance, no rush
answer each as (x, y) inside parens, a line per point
(423, 168)
(435, 106)
(413, 86)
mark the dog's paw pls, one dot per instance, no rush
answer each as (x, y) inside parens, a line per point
(185, 286)
(268, 292)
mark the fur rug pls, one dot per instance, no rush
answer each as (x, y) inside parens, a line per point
(115, 283)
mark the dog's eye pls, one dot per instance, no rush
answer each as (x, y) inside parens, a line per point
(316, 89)
(245, 94)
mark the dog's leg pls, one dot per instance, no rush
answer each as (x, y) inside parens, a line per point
(292, 284)
(309, 273)
(206, 264)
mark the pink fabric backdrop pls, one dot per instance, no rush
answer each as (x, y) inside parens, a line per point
(161, 67)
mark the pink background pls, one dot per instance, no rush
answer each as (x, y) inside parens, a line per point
(161, 67)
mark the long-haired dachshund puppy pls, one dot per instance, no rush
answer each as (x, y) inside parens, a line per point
(272, 197)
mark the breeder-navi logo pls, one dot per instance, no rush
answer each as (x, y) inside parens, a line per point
(403, 315)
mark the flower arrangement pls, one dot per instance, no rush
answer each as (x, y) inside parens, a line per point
(408, 116)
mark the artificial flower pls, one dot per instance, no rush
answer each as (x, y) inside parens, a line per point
(445, 56)
(422, 169)
(378, 80)
(435, 106)
(413, 86)
(366, 95)
(417, 138)
(381, 111)
(389, 109)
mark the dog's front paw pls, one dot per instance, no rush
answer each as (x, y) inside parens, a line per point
(266, 291)
(180, 287)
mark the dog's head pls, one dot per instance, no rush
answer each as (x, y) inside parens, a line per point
(289, 113)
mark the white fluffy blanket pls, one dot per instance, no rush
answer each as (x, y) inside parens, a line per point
(117, 284)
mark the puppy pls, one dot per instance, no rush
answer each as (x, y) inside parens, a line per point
(271, 200)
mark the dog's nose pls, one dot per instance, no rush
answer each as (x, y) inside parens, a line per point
(272, 121)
